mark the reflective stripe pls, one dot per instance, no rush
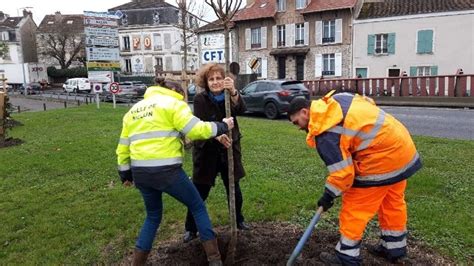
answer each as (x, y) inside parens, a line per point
(394, 245)
(349, 242)
(189, 126)
(124, 141)
(343, 131)
(381, 177)
(124, 167)
(333, 189)
(353, 252)
(368, 138)
(157, 162)
(340, 165)
(393, 233)
(213, 129)
(154, 134)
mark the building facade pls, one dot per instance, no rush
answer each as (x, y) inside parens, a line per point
(296, 39)
(19, 35)
(211, 44)
(416, 37)
(151, 38)
(61, 40)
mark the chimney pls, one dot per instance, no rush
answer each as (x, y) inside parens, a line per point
(27, 13)
(57, 15)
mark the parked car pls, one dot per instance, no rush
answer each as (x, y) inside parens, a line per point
(191, 92)
(31, 88)
(272, 97)
(139, 87)
(77, 85)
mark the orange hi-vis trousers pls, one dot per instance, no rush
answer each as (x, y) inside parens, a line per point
(359, 205)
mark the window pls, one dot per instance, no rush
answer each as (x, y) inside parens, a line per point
(264, 86)
(299, 34)
(281, 5)
(4, 36)
(126, 43)
(329, 31)
(69, 22)
(300, 4)
(50, 22)
(167, 38)
(128, 65)
(256, 38)
(381, 43)
(423, 71)
(157, 42)
(281, 35)
(251, 88)
(424, 42)
(329, 64)
(259, 69)
(159, 64)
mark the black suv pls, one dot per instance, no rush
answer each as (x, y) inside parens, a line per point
(272, 97)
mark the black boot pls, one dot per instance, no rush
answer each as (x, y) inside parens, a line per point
(243, 226)
(379, 251)
(329, 259)
(188, 236)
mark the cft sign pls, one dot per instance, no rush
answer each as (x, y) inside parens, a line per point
(215, 55)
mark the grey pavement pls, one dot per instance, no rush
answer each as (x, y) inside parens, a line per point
(30, 105)
(436, 122)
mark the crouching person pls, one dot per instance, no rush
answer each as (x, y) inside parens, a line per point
(150, 156)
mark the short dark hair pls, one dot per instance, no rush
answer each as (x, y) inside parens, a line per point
(297, 104)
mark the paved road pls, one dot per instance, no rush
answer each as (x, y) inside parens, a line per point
(34, 105)
(436, 122)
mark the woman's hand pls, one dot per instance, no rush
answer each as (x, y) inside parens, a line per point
(230, 122)
(229, 85)
(224, 140)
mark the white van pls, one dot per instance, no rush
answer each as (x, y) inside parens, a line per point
(77, 85)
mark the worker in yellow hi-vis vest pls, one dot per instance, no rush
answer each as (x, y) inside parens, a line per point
(150, 155)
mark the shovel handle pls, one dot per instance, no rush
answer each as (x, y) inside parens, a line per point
(305, 237)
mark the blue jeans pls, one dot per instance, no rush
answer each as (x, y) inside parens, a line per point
(185, 192)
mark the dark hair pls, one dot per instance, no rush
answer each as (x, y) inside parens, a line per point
(205, 71)
(172, 85)
(297, 104)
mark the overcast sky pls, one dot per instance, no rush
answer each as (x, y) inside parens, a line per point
(40, 8)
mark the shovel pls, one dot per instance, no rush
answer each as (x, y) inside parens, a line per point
(305, 237)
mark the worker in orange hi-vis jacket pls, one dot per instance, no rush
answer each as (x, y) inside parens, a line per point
(369, 155)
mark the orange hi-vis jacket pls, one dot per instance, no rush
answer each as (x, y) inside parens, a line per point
(361, 145)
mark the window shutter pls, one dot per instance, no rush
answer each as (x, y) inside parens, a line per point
(291, 30)
(434, 71)
(249, 70)
(338, 36)
(413, 71)
(319, 32)
(287, 36)
(247, 39)
(318, 65)
(264, 68)
(429, 41)
(338, 65)
(263, 31)
(370, 44)
(274, 36)
(306, 33)
(391, 43)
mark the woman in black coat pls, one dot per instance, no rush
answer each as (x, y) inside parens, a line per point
(210, 156)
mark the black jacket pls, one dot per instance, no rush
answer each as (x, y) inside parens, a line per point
(208, 154)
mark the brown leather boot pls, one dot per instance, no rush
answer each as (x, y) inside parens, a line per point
(212, 252)
(139, 257)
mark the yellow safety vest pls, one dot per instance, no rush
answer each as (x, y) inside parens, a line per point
(152, 130)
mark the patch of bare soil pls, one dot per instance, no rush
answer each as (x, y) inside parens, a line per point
(272, 244)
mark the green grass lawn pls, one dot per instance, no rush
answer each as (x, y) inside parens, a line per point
(61, 200)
